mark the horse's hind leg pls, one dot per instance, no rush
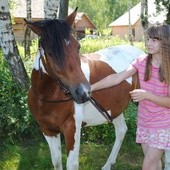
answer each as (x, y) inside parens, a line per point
(120, 131)
(54, 143)
(167, 160)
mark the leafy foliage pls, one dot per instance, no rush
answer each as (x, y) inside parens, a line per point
(89, 45)
(103, 13)
(15, 119)
(166, 5)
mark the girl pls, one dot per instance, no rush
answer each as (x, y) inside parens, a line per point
(153, 126)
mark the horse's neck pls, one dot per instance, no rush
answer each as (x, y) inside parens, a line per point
(90, 56)
(42, 82)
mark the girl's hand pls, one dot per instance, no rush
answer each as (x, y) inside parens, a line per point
(138, 95)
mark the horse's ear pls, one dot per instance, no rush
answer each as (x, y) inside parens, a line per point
(34, 27)
(70, 19)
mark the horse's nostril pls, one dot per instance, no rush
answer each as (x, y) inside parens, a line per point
(82, 93)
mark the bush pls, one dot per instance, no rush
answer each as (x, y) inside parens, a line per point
(106, 133)
(89, 45)
(15, 119)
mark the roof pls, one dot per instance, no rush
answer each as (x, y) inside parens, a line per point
(135, 12)
(124, 19)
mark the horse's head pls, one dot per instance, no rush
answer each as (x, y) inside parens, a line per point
(61, 51)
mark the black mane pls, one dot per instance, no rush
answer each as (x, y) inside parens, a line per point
(56, 33)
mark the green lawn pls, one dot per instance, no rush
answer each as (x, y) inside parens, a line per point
(36, 156)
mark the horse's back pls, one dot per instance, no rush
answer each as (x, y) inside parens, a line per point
(105, 62)
(119, 57)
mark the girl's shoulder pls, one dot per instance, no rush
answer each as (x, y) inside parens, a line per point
(142, 58)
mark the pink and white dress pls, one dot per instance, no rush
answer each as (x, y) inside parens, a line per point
(153, 125)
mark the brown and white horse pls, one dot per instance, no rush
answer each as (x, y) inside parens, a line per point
(60, 92)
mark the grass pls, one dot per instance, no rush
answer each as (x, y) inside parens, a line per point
(36, 156)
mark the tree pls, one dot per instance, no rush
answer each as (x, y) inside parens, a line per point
(144, 14)
(51, 9)
(130, 26)
(9, 47)
(166, 5)
(27, 41)
(54, 9)
(63, 11)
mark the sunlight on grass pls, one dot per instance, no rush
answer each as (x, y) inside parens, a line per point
(10, 157)
(92, 157)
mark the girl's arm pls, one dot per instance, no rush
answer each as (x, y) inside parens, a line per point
(163, 101)
(138, 95)
(113, 79)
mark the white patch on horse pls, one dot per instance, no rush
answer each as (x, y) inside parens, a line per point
(120, 131)
(167, 160)
(92, 116)
(54, 143)
(67, 42)
(37, 62)
(120, 57)
(86, 70)
(73, 157)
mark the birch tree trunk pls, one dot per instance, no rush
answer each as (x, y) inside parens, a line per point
(130, 26)
(54, 9)
(144, 14)
(51, 9)
(27, 41)
(63, 11)
(9, 47)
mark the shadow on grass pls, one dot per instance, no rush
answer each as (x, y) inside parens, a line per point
(36, 156)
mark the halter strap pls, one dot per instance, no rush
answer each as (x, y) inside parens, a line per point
(42, 58)
(50, 101)
(97, 105)
(101, 109)
(62, 87)
(40, 48)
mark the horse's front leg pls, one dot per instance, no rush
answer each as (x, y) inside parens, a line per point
(72, 135)
(120, 131)
(54, 143)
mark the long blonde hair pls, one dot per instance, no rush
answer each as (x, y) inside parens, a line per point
(162, 33)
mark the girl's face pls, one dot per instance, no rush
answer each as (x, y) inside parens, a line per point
(153, 45)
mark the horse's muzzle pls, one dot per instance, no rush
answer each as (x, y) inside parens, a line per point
(82, 94)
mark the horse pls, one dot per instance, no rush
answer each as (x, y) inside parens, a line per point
(60, 98)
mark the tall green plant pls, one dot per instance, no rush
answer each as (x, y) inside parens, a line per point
(15, 119)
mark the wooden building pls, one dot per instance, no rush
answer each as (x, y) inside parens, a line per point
(120, 27)
(82, 21)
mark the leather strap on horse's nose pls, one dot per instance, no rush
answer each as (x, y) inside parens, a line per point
(101, 109)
